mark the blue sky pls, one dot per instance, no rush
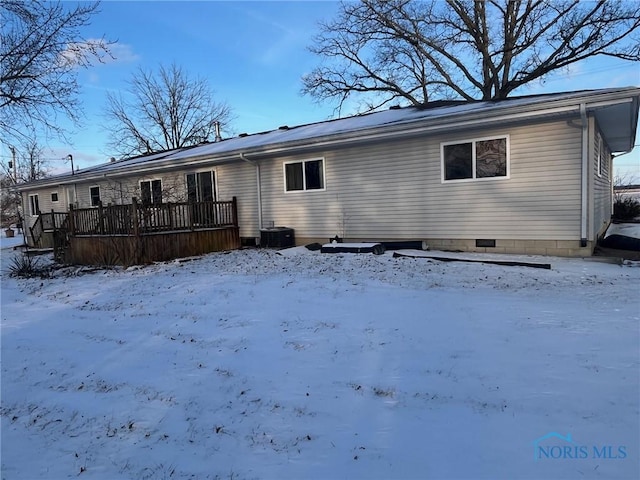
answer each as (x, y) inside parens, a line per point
(253, 54)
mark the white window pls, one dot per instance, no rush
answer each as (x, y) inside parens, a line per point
(34, 205)
(601, 158)
(94, 193)
(151, 191)
(54, 197)
(304, 175)
(478, 159)
(201, 187)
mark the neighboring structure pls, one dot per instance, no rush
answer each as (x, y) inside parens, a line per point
(626, 191)
(522, 175)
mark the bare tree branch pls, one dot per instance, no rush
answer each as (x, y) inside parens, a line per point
(163, 110)
(41, 50)
(417, 51)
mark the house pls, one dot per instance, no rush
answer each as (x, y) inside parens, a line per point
(522, 175)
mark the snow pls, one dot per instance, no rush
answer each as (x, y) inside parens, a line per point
(297, 364)
(316, 133)
(631, 230)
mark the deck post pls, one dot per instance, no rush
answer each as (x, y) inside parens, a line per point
(72, 223)
(134, 217)
(100, 218)
(234, 211)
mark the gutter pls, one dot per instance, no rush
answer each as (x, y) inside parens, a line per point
(258, 186)
(584, 175)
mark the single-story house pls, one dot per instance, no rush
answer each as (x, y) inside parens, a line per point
(528, 174)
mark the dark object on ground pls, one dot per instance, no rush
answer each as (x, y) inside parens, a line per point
(506, 263)
(278, 237)
(404, 245)
(314, 247)
(615, 253)
(375, 248)
(621, 242)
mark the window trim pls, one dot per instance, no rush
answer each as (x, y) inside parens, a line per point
(213, 171)
(304, 175)
(599, 159)
(91, 196)
(150, 182)
(33, 211)
(57, 197)
(473, 142)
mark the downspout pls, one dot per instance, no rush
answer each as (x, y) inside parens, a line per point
(258, 186)
(585, 175)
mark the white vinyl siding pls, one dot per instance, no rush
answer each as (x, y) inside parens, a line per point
(46, 203)
(393, 190)
(600, 183)
(239, 180)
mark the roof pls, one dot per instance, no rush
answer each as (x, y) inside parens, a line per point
(615, 109)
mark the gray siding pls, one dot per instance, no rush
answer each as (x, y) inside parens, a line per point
(394, 191)
(239, 180)
(601, 183)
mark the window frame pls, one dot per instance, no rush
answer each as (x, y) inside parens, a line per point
(304, 175)
(473, 141)
(91, 197)
(214, 183)
(57, 197)
(34, 205)
(601, 149)
(153, 201)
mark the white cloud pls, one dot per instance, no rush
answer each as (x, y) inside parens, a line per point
(123, 53)
(83, 53)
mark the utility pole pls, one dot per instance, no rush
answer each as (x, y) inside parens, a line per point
(15, 182)
(13, 164)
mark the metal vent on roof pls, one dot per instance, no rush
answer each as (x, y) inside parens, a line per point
(284, 127)
(395, 107)
(243, 135)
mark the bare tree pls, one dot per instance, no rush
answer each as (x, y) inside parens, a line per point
(41, 49)
(27, 164)
(163, 110)
(382, 51)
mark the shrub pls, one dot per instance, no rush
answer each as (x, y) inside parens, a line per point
(26, 266)
(626, 208)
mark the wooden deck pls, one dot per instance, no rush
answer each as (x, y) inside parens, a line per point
(137, 234)
(149, 247)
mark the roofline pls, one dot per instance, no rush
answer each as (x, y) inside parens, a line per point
(556, 108)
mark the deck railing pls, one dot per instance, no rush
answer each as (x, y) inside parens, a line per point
(138, 219)
(47, 222)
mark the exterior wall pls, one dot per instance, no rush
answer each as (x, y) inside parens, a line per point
(600, 182)
(238, 179)
(394, 191)
(46, 205)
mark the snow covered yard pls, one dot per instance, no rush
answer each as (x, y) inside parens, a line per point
(255, 364)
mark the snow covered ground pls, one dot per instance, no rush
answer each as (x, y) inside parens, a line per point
(258, 364)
